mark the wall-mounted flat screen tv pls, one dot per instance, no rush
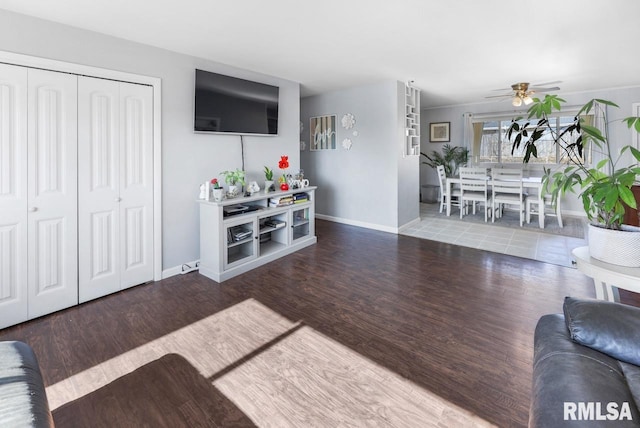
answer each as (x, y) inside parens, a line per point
(228, 104)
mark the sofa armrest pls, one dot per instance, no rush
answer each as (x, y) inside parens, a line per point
(23, 400)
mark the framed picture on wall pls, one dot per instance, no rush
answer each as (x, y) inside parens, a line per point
(323, 133)
(439, 132)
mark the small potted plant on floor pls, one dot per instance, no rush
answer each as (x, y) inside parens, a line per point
(233, 179)
(604, 188)
(268, 179)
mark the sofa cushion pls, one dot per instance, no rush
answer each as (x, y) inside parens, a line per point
(608, 327)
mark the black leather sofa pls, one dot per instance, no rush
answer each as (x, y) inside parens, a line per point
(586, 366)
(23, 400)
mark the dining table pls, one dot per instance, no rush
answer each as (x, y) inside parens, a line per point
(534, 183)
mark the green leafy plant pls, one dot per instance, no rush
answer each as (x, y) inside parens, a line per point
(452, 157)
(268, 173)
(233, 177)
(605, 188)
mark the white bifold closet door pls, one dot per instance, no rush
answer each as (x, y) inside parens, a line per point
(115, 186)
(38, 191)
(13, 195)
(52, 195)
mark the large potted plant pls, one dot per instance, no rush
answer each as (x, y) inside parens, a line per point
(604, 188)
(451, 158)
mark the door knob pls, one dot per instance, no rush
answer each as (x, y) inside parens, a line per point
(33, 209)
(118, 199)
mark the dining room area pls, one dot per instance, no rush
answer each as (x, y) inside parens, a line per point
(494, 188)
(499, 209)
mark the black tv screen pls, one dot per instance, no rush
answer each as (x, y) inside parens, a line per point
(228, 104)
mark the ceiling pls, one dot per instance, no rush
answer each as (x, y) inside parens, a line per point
(455, 51)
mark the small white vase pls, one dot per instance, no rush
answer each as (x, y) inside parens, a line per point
(218, 194)
(267, 185)
(234, 189)
(618, 247)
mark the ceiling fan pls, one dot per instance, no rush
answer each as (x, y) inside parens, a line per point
(521, 92)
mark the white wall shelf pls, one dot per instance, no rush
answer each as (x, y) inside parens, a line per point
(412, 121)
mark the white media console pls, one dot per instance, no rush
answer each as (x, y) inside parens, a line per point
(240, 234)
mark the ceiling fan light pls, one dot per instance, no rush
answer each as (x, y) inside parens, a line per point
(527, 100)
(517, 101)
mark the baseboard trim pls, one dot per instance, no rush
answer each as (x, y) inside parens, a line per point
(183, 268)
(366, 225)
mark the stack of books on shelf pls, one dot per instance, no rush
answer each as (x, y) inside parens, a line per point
(274, 223)
(299, 198)
(265, 237)
(238, 233)
(269, 226)
(281, 201)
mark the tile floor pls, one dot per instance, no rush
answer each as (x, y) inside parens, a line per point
(540, 246)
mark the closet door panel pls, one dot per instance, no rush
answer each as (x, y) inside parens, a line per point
(98, 187)
(13, 195)
(52, 200)
(115, 186)
(136, 183)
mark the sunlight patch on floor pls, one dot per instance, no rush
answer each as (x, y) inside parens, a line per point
(299, 378)
(210, 345)
(308, 379)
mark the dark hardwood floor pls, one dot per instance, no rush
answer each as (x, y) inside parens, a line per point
(456, 321)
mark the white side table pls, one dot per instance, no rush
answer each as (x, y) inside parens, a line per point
(606, 276)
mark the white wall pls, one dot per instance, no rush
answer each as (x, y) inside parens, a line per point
(371, 185)
(619, 134)
(188, 159)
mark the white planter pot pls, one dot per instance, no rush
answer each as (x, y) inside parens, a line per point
(267, 185)
(218, 194)
(618, 247)
(234, 189)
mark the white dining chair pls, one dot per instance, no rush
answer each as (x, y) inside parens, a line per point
(506, 189)
(547, 202)
(473, 189)
(455, 193)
